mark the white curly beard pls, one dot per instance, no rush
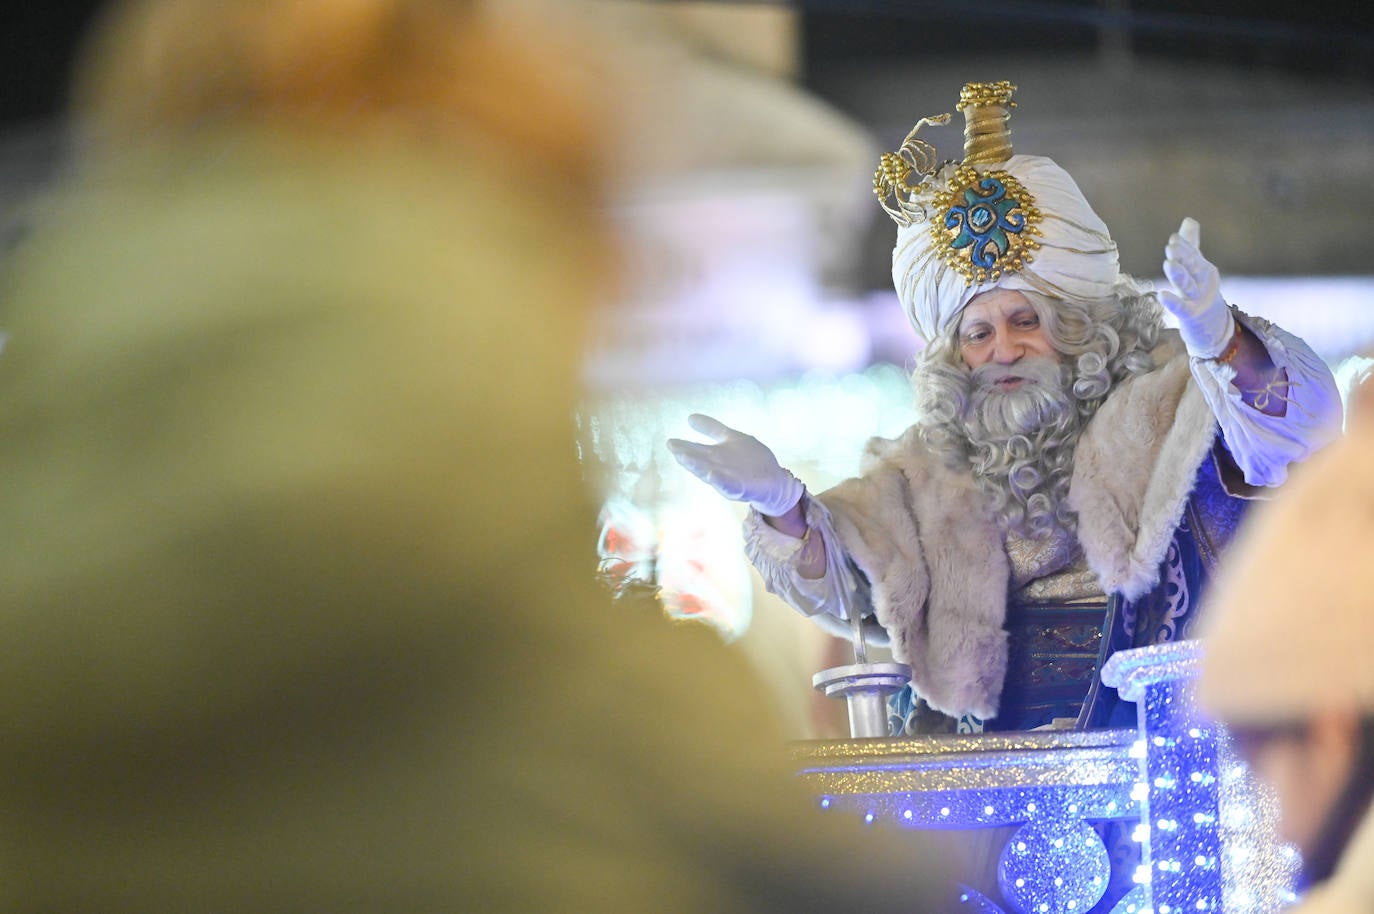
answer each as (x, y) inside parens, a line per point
(1021, 442)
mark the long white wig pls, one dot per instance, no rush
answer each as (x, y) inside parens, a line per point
(1019, 445)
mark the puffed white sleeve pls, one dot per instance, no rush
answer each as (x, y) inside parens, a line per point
(1264, 446)
(841, 591)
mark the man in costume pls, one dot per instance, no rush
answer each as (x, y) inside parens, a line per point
(1075, 468)
(1298, 694)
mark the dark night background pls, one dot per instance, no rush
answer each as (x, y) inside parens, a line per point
(1174, 87)
(1333, 38)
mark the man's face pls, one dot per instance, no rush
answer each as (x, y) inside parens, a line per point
(1002, 327)
(1017, 407)
(1016, 383)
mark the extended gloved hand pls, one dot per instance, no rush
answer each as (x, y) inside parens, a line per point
(1204, 320)
(738, 466)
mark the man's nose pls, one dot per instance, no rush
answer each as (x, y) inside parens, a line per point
(1005, 350)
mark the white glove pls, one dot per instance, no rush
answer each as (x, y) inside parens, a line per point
(1204, 320)
(738, 466)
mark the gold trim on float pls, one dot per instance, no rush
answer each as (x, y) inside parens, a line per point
(1054, 758)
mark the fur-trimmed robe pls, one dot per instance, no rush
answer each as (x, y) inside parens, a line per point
(925, 538)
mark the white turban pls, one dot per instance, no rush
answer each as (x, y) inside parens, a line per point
(1076, 257)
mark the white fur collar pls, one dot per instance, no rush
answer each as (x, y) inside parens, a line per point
(1134, 469)
(923, 535)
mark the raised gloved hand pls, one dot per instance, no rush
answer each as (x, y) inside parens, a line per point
(738, 466)
(1204, 320)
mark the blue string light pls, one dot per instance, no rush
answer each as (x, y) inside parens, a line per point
(1187, 828)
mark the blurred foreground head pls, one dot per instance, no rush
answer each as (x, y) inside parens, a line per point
(434, 73)
(298, 600)
(1288, 632)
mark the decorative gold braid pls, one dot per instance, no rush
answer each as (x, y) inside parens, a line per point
(975, 94)
(1021, 246)
(987, 115)
(914, 156)
(1232, 347)
(986, 216)
(1260, 399)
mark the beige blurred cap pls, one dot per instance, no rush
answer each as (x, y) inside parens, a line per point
(1290, 620)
